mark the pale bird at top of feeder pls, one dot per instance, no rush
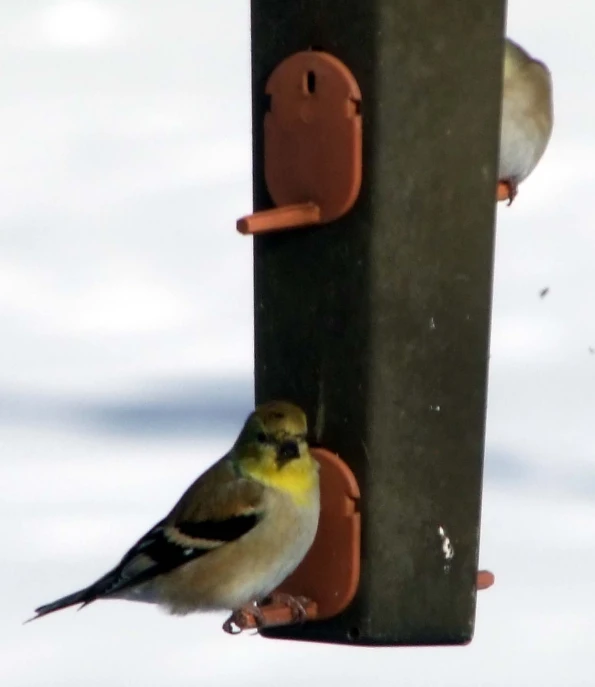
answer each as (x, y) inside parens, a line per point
(527, 116)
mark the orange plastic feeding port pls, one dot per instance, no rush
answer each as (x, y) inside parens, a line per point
(312, 143)
(325, 582)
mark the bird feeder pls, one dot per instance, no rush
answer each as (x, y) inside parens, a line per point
(373, 314)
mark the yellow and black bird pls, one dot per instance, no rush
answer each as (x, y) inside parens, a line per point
(239, 530)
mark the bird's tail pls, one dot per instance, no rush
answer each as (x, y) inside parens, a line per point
(83, 596)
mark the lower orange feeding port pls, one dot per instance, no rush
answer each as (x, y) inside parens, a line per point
(307, 594)
(326, 581)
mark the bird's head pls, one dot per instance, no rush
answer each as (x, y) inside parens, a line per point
(517, 59)
(273, 449)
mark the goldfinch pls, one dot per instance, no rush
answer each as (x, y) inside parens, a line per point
(527, 116)
(239, 530)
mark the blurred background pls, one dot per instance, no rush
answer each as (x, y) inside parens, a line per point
(126, 325)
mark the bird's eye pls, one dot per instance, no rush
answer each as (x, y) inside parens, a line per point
(262, 438)
(288, 450)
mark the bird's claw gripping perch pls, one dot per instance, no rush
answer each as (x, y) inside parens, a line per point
(298, 605)
(507, 190)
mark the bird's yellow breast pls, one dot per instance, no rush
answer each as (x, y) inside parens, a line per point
(298, 478)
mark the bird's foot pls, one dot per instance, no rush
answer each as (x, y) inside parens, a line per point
(513, 189)
(296, 604)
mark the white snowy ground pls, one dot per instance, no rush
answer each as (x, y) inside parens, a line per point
(126, 327)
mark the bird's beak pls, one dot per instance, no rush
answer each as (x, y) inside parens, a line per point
(287, 451)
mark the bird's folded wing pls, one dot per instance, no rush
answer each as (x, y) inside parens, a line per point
(217, 509)
(166, 547)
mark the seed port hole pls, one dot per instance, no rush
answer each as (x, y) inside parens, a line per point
(353, 634)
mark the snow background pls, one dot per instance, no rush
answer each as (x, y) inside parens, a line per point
(126, 325)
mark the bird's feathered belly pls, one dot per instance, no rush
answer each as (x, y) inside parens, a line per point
(523, 135)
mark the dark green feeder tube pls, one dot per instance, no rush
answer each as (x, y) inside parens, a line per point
(378, 323)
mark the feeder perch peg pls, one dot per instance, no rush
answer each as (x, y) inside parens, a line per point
(485, 579)
(312, 144)
(326, 581)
